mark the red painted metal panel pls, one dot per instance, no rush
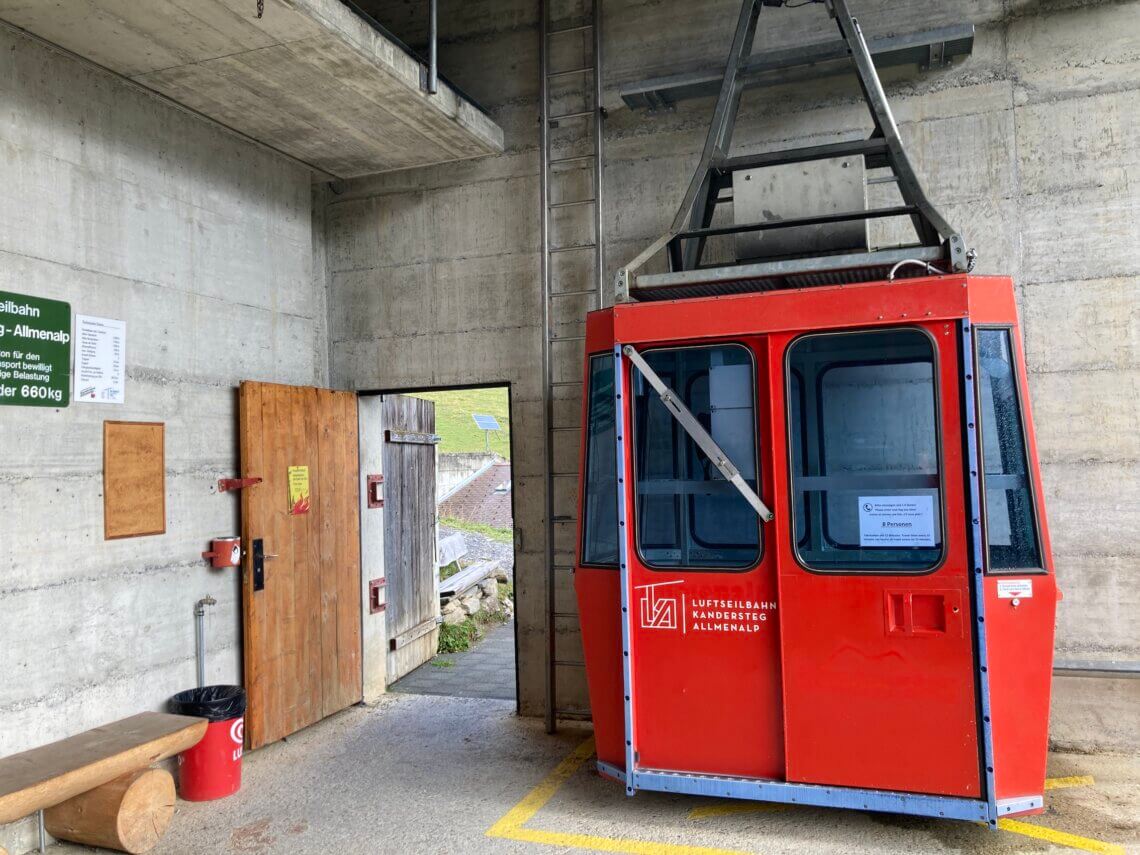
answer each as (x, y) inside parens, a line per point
(1020, 640)
(835, 307)
(851, 680)
(992, 300)
(599, 603)
(707, 679)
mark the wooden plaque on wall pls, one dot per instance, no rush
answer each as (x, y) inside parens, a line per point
(134, 479)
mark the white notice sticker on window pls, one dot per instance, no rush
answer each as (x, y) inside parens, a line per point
(1010, 589)
(896, 521)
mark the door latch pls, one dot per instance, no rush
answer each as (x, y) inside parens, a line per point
(258, 564)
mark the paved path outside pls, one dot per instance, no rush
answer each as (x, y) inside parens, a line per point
(485, 671)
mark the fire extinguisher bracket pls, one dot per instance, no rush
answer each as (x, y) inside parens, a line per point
(224, 552)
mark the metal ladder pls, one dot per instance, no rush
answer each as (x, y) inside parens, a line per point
(572, 283)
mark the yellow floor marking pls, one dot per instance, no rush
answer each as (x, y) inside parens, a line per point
(613, 844)
(733, 808)
(534, 801)
(510, 826)
(1061, 838)
(1071, 781)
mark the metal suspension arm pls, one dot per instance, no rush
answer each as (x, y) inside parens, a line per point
(695, 204)
(928, 222)
(938, 240)
(700, 436)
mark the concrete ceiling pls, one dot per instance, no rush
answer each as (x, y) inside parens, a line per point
(310, 78)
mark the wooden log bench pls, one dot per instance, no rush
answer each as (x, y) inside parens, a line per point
(96, 787)
(466, 579)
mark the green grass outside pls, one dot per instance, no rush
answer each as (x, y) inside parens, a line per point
(453, 422)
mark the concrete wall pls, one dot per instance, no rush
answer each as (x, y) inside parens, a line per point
(1030, 147)
(434, 274)
(131, 209)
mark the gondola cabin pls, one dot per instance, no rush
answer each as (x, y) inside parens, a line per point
(813, 565)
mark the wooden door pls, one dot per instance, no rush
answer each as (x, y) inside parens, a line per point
(410, 533)
(301, 611)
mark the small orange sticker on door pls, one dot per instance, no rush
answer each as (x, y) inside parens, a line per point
(299, 497)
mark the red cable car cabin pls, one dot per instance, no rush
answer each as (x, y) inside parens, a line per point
(885, 640)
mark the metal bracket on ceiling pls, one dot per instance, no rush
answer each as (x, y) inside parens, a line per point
(925, 49)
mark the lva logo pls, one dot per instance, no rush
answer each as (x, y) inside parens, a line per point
(656, 608)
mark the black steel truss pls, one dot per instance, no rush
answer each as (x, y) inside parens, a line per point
(937, 243)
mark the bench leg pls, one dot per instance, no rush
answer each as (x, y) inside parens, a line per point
(43, 835)
(129, 813)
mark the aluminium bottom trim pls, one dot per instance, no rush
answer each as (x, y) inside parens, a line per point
(1005, 807)
(609, 770)
(816, 795)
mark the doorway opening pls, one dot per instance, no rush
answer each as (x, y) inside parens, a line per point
(473, 570)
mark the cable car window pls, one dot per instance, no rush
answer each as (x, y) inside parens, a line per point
(600, 522)
(1011, 525)
(688, 515)
(869, 449)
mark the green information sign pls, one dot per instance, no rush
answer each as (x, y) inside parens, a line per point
(35, 351)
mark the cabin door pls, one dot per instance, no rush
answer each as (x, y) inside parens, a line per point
(704, 625)
(874, 574)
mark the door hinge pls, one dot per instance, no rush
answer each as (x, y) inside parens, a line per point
(225, 484)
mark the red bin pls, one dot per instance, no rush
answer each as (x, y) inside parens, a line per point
(212, 768)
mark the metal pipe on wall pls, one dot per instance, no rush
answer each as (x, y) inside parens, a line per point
(600, 114)
(200, 633)
(548, 401)
(433, 47)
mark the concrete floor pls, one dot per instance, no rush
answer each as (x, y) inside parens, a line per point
(430, 774)
(485, 671)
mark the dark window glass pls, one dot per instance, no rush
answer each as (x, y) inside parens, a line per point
(865, 460)
(688, 515)
(1011, 529)
(600, 522)
(799, 461)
